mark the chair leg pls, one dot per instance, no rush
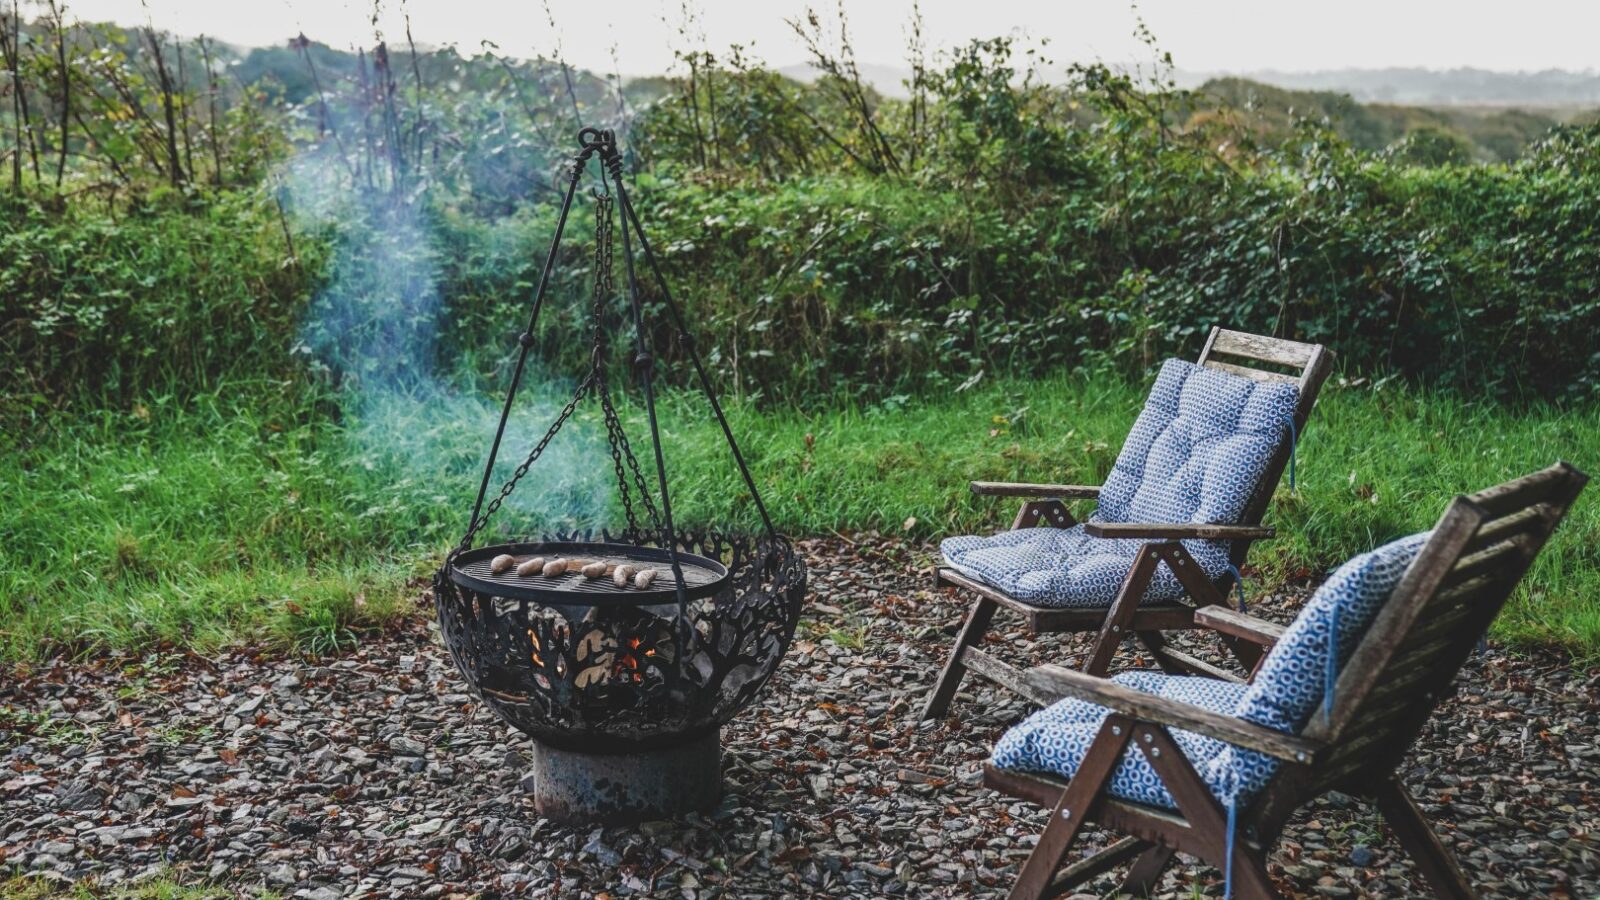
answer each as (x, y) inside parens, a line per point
(972, 631)
(1434, 860)
(1091, 866)
(1037, 879)
(1204, 593)
(1205, 815)
(1156, 642)
(1146, 871)
(1123, 609)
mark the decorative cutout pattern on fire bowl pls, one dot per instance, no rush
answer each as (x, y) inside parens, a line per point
(601, 676)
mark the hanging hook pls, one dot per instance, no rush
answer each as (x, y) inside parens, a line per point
(595, 139)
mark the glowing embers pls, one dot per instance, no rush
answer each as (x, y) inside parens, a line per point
(611, 644)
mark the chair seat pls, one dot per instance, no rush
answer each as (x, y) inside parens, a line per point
(1286, 690)
(1055, 739)
(1063, 568)
(1197, 454)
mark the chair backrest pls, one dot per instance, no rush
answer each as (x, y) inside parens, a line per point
(1268, 359)
(1436, 616)
(1199, 449)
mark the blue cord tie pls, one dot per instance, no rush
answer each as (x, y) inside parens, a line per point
(1233, 827)
(1483, 644)
(1294, 443)
(1332, 675)
(1238, 582)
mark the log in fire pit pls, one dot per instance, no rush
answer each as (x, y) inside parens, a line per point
(622, 680)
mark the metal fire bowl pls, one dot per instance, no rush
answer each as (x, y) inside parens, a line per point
(617, 671)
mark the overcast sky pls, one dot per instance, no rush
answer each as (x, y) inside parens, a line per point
(1204, 35)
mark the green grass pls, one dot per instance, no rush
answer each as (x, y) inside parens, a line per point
(245, 515)
(28, 887)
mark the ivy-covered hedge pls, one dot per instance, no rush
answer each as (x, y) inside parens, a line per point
(1485, 278)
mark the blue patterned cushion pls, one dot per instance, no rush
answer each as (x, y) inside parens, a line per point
(1293, 680)
(1058, 567)
(1055, 739)
(1196, 454)
(1283, 695)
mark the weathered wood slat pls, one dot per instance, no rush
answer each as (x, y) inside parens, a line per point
(1006, 675)
(1364, 752)
(1423, 654)
(1145, 874)
(944, 576)
(1496, 559)
(1372, 755)
(1366, 666)
(1514, 495)
(1533, 520)
(1024, 489)
(1398, 685)
(1238, 624)
(1097, 864)
(1060, 682)
(1252, 374)
(1036, 788)
(1261, 347)
(1184, 662)
(1375, 714)
(1445, 621)
(1379, 721)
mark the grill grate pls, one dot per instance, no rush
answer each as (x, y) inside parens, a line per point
(702, 576)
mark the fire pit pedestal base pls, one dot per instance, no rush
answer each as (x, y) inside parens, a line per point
(618, 789)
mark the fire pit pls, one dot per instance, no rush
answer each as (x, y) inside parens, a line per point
(623, 683)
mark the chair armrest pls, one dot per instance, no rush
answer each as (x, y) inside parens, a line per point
(1015, 489)
(1176, 530)
(1056, 681)
(1238, 624)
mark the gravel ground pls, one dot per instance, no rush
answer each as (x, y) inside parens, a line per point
(374, 774)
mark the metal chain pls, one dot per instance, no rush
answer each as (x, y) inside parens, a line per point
(616, 462)
(604, 291)
(604, 283)
(521, 470)
(623, 460)
(621, 450)
(604, 286)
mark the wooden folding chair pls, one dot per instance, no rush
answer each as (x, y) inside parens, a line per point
(1255, 357)
(1397, 674)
